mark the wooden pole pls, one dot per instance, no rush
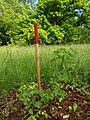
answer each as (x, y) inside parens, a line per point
(37, 55)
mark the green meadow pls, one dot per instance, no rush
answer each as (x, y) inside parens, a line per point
(18, 64)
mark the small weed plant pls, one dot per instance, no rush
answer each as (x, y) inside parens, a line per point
(68, 69)
(36, 100)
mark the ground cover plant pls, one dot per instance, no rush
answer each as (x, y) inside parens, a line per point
(65, 77)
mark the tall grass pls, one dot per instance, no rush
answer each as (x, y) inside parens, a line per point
(18, 64)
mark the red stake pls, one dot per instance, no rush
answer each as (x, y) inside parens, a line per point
(37, 55)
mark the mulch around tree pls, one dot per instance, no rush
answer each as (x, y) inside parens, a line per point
(11, 108)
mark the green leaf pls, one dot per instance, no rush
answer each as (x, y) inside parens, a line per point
(70, 108)
(30, 111)
(37, 104)
(45, 113)
(75, 106)
(72, 87)
(31, 118)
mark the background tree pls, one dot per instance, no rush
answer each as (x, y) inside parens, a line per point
(60, 22)
(15, 22)
(68, 15)
(31, 2)
(7, 19)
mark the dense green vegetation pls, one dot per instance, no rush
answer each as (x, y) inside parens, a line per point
(18, 65)
(60, 22)
(65, 81)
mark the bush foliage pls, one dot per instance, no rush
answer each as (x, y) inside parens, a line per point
(60, 22)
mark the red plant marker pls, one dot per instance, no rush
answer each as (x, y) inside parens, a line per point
(36, 33)
(37, 55)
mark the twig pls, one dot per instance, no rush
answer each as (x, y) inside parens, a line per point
(25, 116)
